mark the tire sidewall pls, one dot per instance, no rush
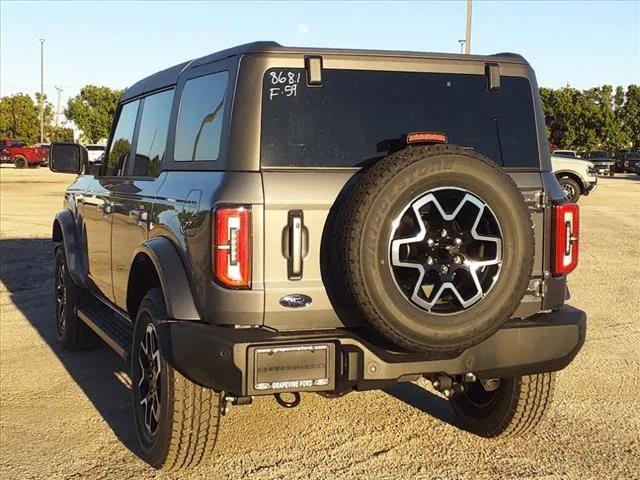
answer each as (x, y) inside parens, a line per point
(485, 317)
(73, 294)
(154, 448)
(20, 162)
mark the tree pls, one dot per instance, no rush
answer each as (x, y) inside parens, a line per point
(629, 116)
(19, 118)
(597, 118)
(92, 111)
(59, 134)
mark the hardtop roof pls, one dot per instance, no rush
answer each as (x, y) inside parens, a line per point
(169, 76)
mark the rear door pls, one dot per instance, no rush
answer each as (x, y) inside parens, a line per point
(133, 193)
(315, 138)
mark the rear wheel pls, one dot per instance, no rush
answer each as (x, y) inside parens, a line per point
(176, 421)
(570, 188)
(505, 407)
(20, 161)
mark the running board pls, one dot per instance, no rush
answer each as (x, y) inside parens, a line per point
(116, 331)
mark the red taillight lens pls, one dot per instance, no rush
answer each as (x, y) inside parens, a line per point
(231, 249)
(567, 232)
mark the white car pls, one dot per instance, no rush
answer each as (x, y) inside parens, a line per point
(95, 152)
(566, 153)
(576, 177)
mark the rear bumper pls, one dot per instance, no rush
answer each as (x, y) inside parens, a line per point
(222, 358)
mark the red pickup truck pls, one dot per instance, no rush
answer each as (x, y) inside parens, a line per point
(14, 151)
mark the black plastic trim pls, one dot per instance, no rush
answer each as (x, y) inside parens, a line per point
(71, 243)
(217, 357)
(178, 295)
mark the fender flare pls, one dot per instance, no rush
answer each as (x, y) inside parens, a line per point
(176, 289)
(64, 231)
(572, 173)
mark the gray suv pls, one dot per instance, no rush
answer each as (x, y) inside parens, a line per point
(271, 220)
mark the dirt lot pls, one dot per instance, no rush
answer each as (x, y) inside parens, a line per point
(66, 415)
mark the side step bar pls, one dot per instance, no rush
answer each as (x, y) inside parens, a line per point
(116, 331)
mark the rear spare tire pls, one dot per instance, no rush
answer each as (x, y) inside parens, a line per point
(434, 245)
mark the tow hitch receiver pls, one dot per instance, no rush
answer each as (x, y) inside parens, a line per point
(289, 368)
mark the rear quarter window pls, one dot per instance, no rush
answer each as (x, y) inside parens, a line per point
(200, 118)
(356, 117)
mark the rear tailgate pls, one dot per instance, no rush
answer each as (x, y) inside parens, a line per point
(314, 139)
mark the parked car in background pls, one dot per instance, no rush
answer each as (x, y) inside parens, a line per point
(638, 168)
(602, 160)
(16, 152)
(576, 177)
(566, 153)
(626, 162)
(95, 153)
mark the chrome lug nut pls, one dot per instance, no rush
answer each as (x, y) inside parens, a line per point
(444, 269)
(458, 241)
(430, 242)
(429, 261)
(443, 233)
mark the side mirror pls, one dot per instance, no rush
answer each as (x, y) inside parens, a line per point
(67, 157)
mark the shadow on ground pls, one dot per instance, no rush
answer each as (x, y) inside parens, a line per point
(425, 401)
(27, 274)
(26, 271)
(622, 176)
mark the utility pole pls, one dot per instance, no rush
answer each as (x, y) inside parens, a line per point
(461, 42)
(467, 45)
(41, 90)
(59, 90)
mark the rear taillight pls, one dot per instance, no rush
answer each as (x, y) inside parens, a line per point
(231, 246)
(567, 232)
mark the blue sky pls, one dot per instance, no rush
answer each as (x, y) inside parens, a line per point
(584, 43)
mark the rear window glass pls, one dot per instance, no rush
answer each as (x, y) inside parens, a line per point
(359, 116)
(199, 125)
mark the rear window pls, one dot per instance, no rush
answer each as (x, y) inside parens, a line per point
(359, 116)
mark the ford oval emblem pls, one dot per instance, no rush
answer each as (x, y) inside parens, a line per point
(295, 300)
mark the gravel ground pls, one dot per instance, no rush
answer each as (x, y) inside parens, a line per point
(66, 415)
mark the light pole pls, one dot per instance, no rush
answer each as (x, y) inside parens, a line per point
(41, 90)
(467, 45)
(461, 42)
(59, 90)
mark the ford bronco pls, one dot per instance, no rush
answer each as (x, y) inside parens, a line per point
(271, 220)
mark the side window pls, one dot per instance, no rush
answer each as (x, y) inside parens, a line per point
(120, 147)
(152, 134)
(199, 124)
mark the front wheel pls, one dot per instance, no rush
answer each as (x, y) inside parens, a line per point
(505, 407)
(570, 188)
(176, 421)
(72, 332)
